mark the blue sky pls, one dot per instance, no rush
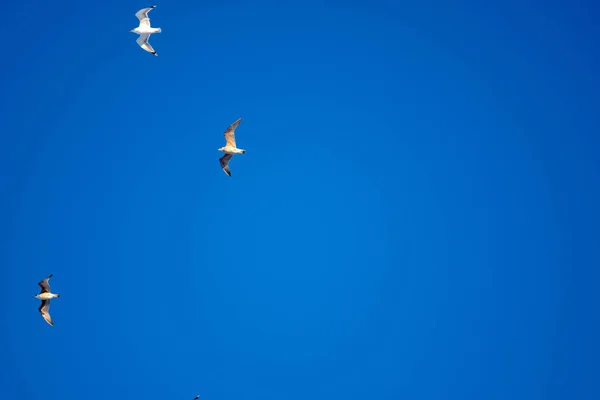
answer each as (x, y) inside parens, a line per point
(416, 215)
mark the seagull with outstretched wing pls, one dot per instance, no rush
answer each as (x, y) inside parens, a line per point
(45, 295)
(230, 147)
(145, 30)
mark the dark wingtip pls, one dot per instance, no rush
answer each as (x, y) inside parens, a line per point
(50, 276)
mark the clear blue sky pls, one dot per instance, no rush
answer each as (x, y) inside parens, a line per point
(416, 215)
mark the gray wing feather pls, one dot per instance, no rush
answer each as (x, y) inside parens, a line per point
(142, 15)
(44, 309)
(230, 133)
(144, 43)
(224, 161)
(45, 285)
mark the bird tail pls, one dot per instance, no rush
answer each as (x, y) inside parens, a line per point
(159, 30)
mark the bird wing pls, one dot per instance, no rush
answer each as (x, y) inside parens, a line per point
(142, 15)
(45, 285)
(225, 163)
(230, 134)
(196, 398)
(44, 309)
(144, 43)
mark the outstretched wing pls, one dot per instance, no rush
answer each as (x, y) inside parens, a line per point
(44, 309)
(230, 134)
(145, 44)
(225, 163)
(142, 15)
(45, 285)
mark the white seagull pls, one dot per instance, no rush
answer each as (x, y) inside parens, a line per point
(229, 149)
(45, 295)
(145, 30)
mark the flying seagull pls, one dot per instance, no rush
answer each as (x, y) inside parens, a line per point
(145, 30)
(45, 295)
(229, 149)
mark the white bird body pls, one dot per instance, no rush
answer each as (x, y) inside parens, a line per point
(145, 30)
(140, 30)
(46, 296)
(232, 150)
